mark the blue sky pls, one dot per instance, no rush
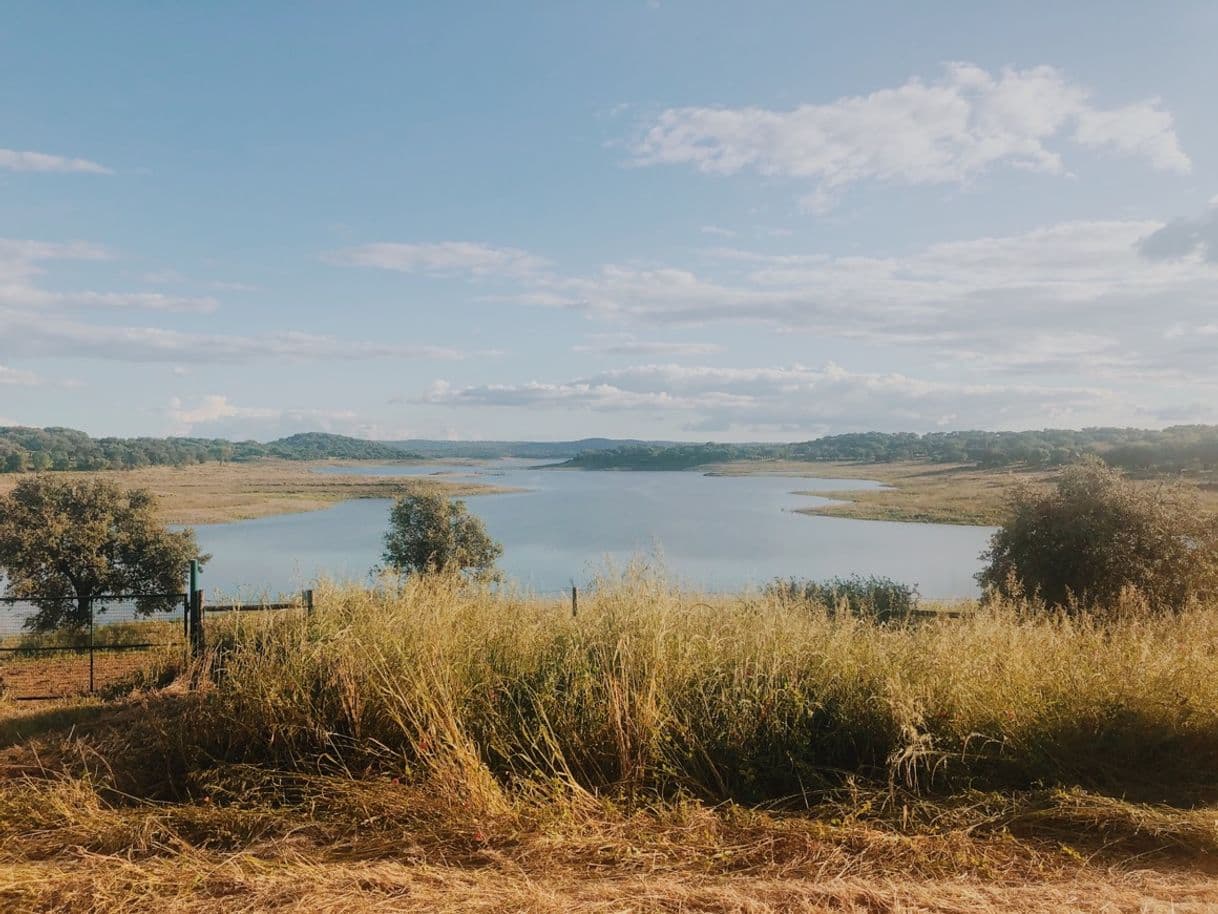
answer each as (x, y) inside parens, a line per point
(762, 221)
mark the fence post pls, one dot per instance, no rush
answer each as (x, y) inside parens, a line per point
(91, 610)
(308, 602)
(574, 602)
(196, 623)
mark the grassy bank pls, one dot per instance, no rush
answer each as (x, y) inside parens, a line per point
(212, 493)
(443, 748)
(921, 492)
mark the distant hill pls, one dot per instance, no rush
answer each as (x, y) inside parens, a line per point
(23, 448)
(324, 446)
(532, 450)
(1181, 448)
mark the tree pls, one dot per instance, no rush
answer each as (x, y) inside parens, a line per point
(63, 543)
(430, 532)
(1097, 533)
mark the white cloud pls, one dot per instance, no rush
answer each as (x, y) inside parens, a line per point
(217, 416)
(628, 345)
(718, 231)
(147, 301)
(946, 131)
(39, 334)
(1079, 296)
(17, 377)
(211, 408)
(22, 261)
(445, 258)
(797, 399)
(15, 160)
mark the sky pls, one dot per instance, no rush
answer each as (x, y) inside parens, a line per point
(665, 220)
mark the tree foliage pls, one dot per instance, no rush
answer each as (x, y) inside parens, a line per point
(1081, 544)
(1180, 448)
(65, 542)
(40, 449)
(430, 532)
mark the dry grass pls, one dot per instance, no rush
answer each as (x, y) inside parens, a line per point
(917, 491)
(212, 493)
(435, 747)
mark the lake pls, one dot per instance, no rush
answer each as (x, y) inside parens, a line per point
(713, 532)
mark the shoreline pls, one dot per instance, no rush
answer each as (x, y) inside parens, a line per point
(215, 493)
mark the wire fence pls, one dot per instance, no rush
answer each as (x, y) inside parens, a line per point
(59, 647)
(55, 647)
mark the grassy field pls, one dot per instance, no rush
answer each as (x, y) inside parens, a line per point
(918, 492)
(442, 748)
(211, 493)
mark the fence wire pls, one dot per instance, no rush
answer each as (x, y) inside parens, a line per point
(56, 648)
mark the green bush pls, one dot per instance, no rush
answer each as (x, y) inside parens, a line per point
(872, 597)
(1096, 536)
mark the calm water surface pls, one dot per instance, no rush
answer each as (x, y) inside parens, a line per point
(714, 532)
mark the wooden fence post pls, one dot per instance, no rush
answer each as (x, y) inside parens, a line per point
(574, 602)
(91, 611)
(308, 602)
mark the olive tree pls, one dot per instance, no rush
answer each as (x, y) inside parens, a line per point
(1097, 533)
(430, 532)
(66, 542)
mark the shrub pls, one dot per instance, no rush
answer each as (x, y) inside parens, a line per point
(872, 597)
(1097, 534)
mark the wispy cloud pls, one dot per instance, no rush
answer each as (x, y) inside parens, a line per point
(217, 415)
(17, 377)
(795, 399)
(993, 301)
(38, 334)
(16, 160)
(444, 258)
(627, 345)
(945, 131)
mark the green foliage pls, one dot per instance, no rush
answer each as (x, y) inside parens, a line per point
(1181, 448)
(64, 543)
(430, 532)
(871, 597)
(67, 449)
(1096, 534)
(322, 446)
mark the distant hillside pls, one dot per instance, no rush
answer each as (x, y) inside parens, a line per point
(1181, 448)
(532, 450)
(53, 448)
(323, 446)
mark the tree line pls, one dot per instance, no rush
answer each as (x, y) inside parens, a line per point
(1175, 449)
(40, 449)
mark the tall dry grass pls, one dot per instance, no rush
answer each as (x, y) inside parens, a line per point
(653, 691)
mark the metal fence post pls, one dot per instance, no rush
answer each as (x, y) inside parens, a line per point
(196, 623)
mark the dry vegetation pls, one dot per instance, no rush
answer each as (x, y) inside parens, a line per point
(433, 747)
(918, 491)
(212, 493)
